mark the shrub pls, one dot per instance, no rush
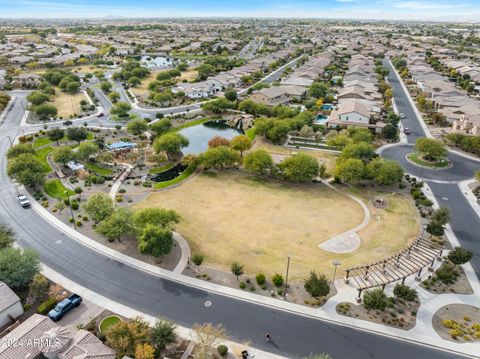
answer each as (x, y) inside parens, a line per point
(260, 278)
(222, 350)
(405, 292)
(47, 305)
(277, 280)
(242, 285)
(74, 205)
(78, 223)
(375, 299)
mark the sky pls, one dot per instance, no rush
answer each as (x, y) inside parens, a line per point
(428, 10)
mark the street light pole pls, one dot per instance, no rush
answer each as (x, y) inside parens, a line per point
(335, 264)
(71, 209)
(286, 279)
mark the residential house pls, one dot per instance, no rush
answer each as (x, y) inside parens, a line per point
(10, 305)
(42, 338)
(26, 80)
(203, 89)
(469, 125)
(355, 113)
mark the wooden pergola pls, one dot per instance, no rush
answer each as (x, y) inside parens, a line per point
(413, 259)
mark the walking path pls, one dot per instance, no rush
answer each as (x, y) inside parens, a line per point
(348, 241)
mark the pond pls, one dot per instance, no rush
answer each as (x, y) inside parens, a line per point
(199, 135)
(153, 62)
(170, 174)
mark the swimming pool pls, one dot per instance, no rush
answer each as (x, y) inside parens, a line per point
(320, 120)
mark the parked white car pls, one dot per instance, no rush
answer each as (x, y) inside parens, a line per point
(23, 200)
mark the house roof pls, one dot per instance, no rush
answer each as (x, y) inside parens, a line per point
(7, 297)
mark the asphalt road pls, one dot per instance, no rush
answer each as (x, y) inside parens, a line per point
(294, 336)
(465, 222)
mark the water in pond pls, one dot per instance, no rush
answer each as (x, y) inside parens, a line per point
(156, 62)
(168, 175)
(199, 135)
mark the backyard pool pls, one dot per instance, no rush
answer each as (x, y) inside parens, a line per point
(320, 120)
(199, 135)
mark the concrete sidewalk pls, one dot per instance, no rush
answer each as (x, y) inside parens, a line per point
(424, 335)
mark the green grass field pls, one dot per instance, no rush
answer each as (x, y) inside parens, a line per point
(42, 157)
(439, 163)
(55, 188)
(41, 141)
(98, 170)
(161, 169)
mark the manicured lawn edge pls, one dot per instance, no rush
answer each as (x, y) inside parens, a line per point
(194, 123)
(184, 175)
(108, 322)
(42, 155)
(251, 133)
(414, 157)
(98, 170)
(160, 169)
(55, 188)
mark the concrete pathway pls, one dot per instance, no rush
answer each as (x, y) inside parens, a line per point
(348, 241)
(120, 179)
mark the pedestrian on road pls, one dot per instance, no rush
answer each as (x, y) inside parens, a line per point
(268, 338)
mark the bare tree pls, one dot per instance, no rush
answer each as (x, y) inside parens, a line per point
(207, 337)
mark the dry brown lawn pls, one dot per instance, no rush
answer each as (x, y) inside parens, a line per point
(328, 158)
(67, 104)
(235, 216)
(188, 75)
(142, 89)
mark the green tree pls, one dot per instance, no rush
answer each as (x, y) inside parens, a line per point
(63, 155)
(60, 206)
(99, 207)
(259, 162)
(20, 148)
(77, 134)
(447, 273)
(39, 285)
(56, 134)
(72, 87)
(237, 269)
(405, 292)
(350, 171)
(375, 299)
(37, 98)
(390, 132)
(318, 90)
(163, 333)
(430, 148)
(137, 126)
(87, 150)
(385, 172)
(45, 111)
(118, 224)
(299, 168)
(219, 105)
(219, 158)
(231, 95)
(362, 151)
(120, 109)
(106, 86)
(18, 266)
(317, 285)
(114, 96)
(161, 127)
(161, 217)
(27, 170)
(171, 143)
(241, 143)
(7, 236)
(155, 241)
(459, 256)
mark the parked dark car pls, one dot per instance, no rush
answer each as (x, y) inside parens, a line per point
(64, 307)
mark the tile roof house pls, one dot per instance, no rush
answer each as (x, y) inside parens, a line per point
(39, 337)
(10, 305)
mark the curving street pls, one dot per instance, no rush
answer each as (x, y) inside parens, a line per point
(465, 222)
(295, 336)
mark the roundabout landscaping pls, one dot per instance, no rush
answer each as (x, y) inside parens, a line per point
(417, 159)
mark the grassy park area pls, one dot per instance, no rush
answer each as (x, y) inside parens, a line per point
(233, 216)
(67, 104)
